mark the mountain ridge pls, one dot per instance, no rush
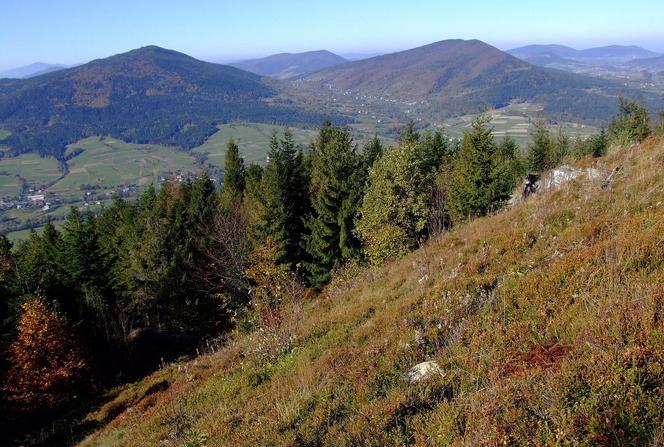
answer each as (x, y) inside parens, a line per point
(146, 95)
(463, 76)
(288, 65)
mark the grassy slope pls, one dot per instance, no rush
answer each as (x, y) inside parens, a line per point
(547, 320)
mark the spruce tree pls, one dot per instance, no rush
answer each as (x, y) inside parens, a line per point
(482, 175)
(234, 177)
(541, 149)
(277, 208)
(335, 189)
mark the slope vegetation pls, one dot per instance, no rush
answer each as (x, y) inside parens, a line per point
(547, 322)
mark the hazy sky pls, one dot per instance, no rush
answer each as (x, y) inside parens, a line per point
(74, 31)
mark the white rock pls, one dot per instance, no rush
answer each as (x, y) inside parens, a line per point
(423, 371)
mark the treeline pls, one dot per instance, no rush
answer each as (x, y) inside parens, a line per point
(112, 295)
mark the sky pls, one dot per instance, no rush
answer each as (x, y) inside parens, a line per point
(76, 31)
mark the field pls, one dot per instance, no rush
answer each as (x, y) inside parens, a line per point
(252, 139)
(37, 172)
(107, 163)
(4, 134)
(514, 122)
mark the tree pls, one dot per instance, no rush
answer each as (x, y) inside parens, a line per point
(483, 173)
(234, 177)
(335, 189)
(371, 151)
(408, 134)
(47, 365)
(7, 289)
(632, 125)
(434, 150)
(394, 209)
(541, 151)
(278, 204)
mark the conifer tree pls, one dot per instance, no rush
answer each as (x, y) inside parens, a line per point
(371, 151)
(280, 202)
(336, 188)
(541, 149)
(234, 177)
(632, 125)
(482, 176)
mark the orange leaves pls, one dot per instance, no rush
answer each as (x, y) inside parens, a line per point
(46, 361)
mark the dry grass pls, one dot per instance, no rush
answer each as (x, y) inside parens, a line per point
(547, 319)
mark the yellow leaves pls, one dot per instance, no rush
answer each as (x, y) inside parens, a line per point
(46, 361)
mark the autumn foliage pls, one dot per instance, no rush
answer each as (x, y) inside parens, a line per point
(47, 362)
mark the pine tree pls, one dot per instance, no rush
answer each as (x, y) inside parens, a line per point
(234, 177)
(335, 189)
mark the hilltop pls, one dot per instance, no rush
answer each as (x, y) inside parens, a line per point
(455, 77)
(148, 95)
(545, 321)
(288, 65)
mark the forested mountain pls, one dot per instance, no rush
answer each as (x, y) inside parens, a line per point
(149, 95)
(288, 65)
(458, 76)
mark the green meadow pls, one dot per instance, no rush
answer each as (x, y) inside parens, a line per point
(252, 139)
(108, 162)
(31, 169)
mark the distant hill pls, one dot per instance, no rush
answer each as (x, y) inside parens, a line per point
(288, 65)
(613, 59)
(31, 70)
(653, 64)
(459, 76)
(149, 95)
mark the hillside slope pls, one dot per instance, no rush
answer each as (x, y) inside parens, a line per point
(288, 65)
(455, 77)
(148, 95)
(547, 321)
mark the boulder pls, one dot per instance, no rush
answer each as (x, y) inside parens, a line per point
(565, 173)
(422, 372)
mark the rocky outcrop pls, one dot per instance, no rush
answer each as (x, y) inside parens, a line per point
(423, 372)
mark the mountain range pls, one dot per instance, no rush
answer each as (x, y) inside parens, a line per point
(463, 76)
(148, 95)
(288, 65)
(154, 95)
(616, 57)
(28, 71)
